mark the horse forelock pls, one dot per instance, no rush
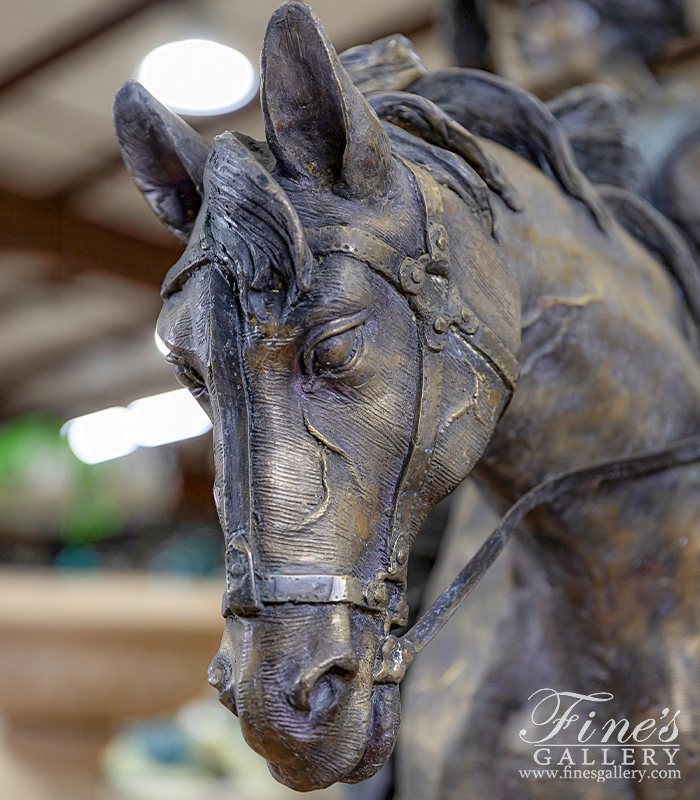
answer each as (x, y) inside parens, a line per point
(247, 225)
(252, 221)
(253, 227)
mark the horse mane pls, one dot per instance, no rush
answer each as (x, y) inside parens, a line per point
(450, 108)
(580, 140)
(597, 122)
(496, 109)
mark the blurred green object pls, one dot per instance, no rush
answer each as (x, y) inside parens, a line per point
(45, 490)
(199, 754)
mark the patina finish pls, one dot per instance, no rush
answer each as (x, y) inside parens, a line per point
(390, 292)
(550, 46)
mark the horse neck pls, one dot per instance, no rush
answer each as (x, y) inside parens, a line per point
(606, 365)
(606, 370)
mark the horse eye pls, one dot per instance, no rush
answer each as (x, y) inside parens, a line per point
(186, 374)
(339, 352)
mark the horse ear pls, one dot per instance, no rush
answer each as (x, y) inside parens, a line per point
(318, 125)
(164, 156)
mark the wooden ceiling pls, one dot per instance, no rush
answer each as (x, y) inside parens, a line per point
(81, 255)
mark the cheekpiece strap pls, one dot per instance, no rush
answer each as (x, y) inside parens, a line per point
(424, 281)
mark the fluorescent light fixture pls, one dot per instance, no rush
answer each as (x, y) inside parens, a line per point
(165, 418)
(198, 77)
(100, 436)
(148, 422)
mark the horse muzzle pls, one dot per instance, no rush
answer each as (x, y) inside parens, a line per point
(301, 679)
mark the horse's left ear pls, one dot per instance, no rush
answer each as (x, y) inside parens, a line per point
(164, 155)
(319, 127)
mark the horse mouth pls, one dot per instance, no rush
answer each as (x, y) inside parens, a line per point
(383, 730)
(300, 678)
(385, 718)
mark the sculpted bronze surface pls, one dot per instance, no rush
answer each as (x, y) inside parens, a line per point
(359, 296)
(549, 46)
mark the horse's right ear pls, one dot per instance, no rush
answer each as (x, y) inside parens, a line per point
(164, 156)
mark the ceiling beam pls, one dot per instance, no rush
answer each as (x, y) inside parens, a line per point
(50, 51)
(50, 226)
(236, 120)
(243, 119)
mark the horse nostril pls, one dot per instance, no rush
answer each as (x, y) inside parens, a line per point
(318, 688)
(217, 674)
(220, 678)
(324, 693)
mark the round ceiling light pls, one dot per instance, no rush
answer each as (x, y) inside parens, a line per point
(198, 77)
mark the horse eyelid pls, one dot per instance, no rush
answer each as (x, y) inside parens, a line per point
(334, 328)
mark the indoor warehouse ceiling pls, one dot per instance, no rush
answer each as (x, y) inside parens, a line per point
(81, 255)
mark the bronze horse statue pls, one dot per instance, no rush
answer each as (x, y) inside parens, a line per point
(409, 280)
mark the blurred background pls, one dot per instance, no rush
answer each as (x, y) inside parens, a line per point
(110, 551)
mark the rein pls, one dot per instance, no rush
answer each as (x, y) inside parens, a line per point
(398, 653)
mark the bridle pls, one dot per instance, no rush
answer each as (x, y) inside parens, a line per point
(438, 308)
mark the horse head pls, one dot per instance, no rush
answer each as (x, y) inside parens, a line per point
(348, 322)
